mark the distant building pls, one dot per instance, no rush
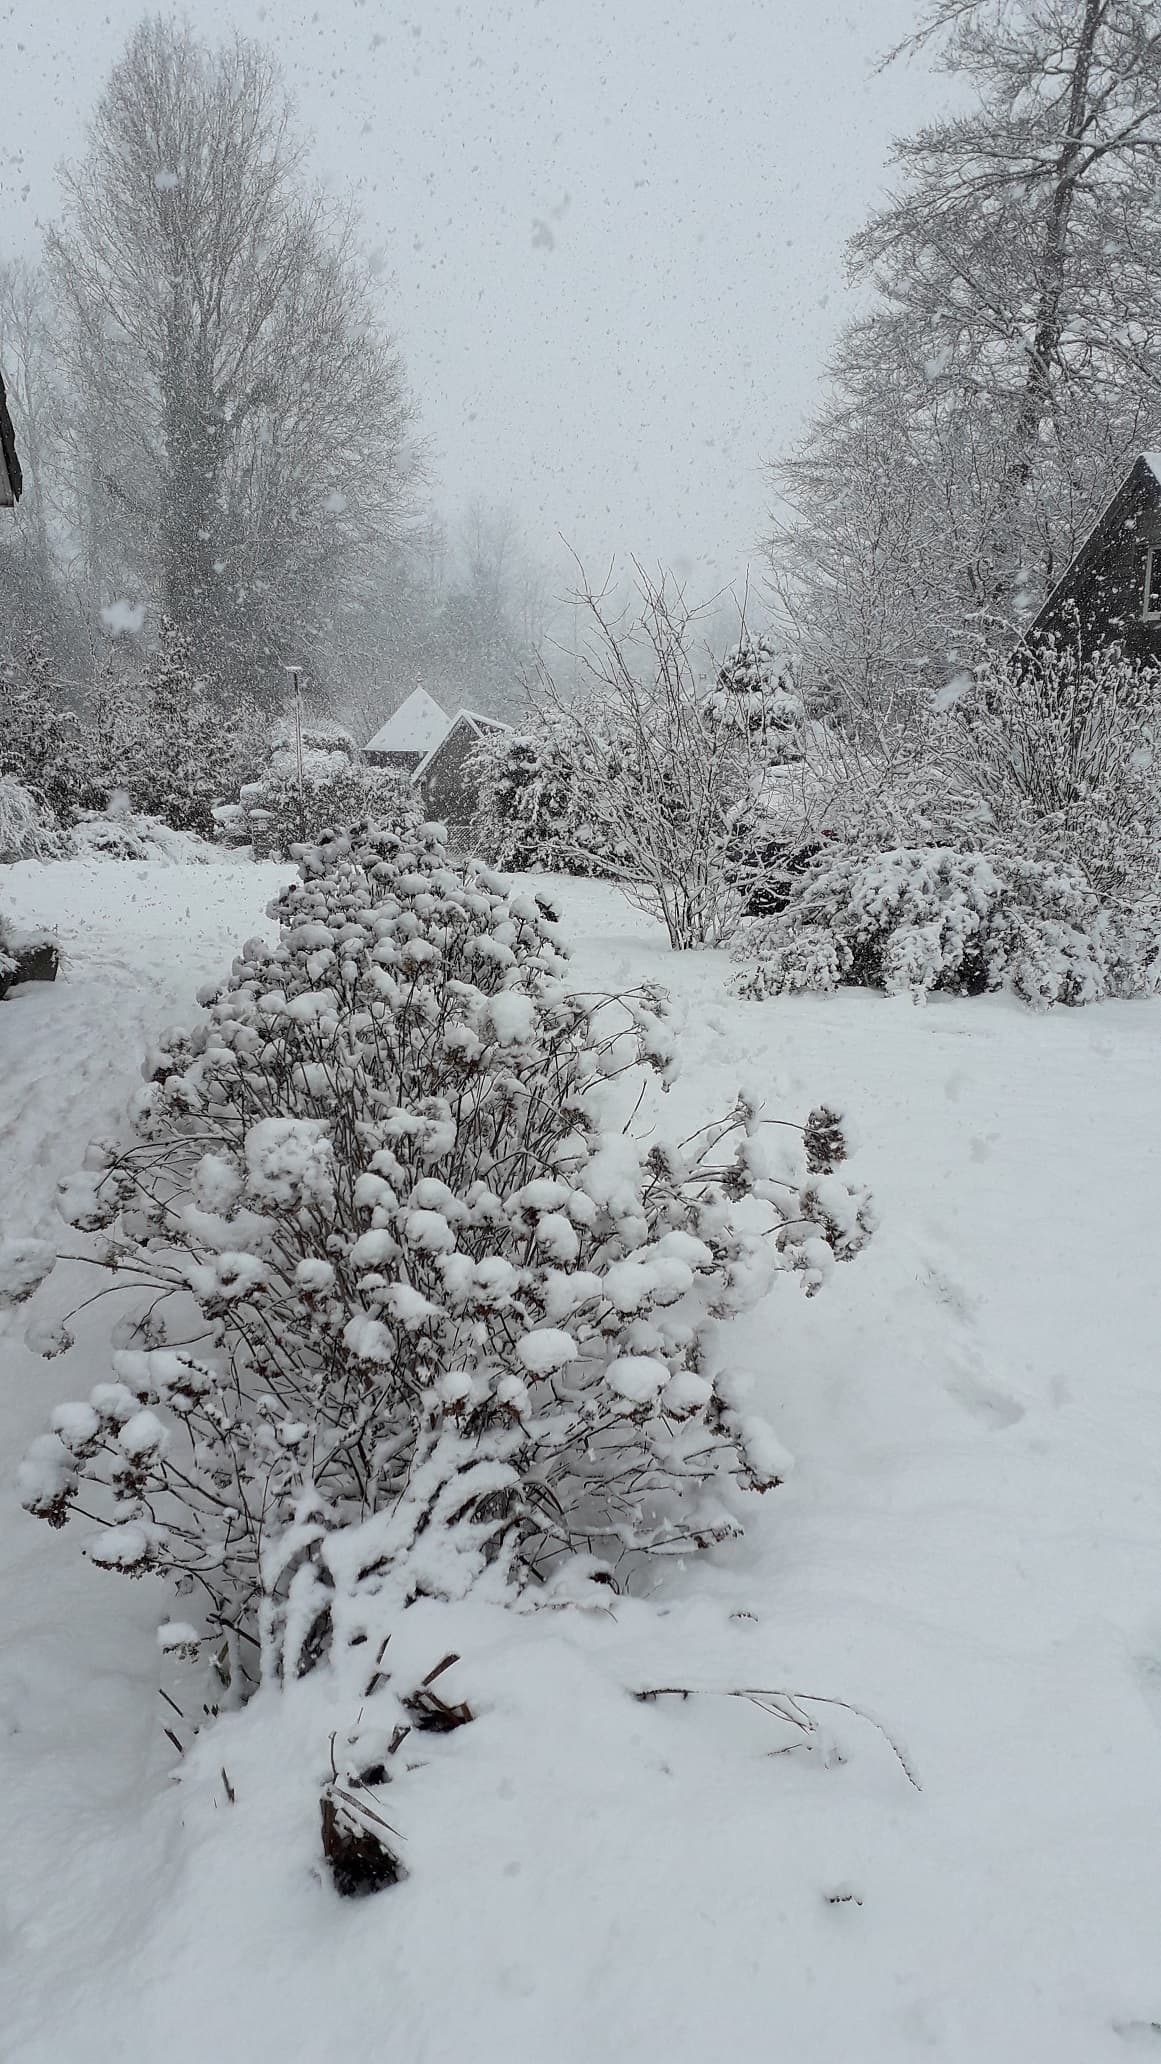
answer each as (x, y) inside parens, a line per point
(444, 779)
(11, 481)
(1110, 594)
(409, 735)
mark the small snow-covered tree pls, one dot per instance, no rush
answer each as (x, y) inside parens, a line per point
(422, 1311)
(755, 693)
(531, 812)
(171, 743)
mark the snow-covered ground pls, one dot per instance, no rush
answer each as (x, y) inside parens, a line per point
(969, 1551)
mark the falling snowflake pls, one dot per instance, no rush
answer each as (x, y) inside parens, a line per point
(123, 619)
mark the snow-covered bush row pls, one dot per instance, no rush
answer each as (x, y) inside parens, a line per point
(926, 918)
(420, 1310)
(44, 747)
(161, 736)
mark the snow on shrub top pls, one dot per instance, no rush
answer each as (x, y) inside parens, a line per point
(437, 1318)
(928, 918)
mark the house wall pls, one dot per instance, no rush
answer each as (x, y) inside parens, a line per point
(1102, 600)
(450, 794)
(407, 762)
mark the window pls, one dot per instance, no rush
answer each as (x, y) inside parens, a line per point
(1152, 609)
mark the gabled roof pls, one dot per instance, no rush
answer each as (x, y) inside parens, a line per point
(465, 717)
(415, 727)
(11, 481)
(1145, 472)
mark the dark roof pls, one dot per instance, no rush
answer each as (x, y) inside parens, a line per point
(474, 722)
(1141, 486)
(11, 479)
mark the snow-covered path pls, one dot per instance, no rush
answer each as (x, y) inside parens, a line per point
(970, 1549)
(80, 1744)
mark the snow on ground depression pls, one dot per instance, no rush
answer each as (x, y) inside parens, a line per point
(959, 1586)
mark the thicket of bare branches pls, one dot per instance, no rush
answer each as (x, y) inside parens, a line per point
(665, 780)
(1063, 750)
(1007, 374)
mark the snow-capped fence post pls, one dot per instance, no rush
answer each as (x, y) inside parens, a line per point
(295, 673)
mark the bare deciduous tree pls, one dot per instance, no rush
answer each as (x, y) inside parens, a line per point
(664, 783)
(241, 434)
(986, 407)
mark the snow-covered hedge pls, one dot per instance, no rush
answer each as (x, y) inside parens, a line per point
(333, 792)
(120, 834)
(421, 1311)
(928, 918)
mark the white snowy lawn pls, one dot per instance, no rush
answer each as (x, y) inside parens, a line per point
(969, 1551)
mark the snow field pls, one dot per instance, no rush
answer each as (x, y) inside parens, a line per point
(967, 1551)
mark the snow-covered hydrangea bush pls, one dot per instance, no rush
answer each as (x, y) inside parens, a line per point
(413, 1308)
(928, 918)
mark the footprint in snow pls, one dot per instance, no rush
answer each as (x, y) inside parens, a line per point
(960, 1301)
(985, 1401)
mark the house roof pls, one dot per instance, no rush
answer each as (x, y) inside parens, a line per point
(415, 727)
(11, 481)
(476, 723)
(1144, 472)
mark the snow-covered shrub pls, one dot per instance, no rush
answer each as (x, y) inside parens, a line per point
(926, 918)
(422, 1312)
(167, 740)
(661, 780)
(28, 828)
(118, 833)
(334, 793)
(530, 813)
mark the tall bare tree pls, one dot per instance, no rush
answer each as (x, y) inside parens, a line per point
(40, 614)
(1010, 366)
(242, 428)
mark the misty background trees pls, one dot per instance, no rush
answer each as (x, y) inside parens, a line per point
(220, 436)
(217, 428)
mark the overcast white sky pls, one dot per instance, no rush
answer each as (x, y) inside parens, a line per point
(612, 229)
